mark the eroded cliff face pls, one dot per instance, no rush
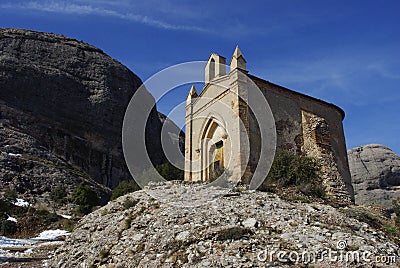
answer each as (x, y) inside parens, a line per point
(32, 171)
(71, 98)
(375, 173)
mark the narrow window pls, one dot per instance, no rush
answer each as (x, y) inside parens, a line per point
(212, 69)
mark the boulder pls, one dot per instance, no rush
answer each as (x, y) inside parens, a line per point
(375, 173)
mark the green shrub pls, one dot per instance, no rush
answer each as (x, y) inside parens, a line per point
(30, 219)
(11, 195)
(59, 194)
(9, 208)
(8, 227)
(5, 207)
(85, 198)
(128, 222)
(170, 172)
(20, 211)
(392, 231)
(130, 203)
(396, 209)
(288, 169)
(365, 215)
(46, 216)
(233, 233)
(68, 224)
(40, 217)
(167, 171)
(123, 188)
(104, 253)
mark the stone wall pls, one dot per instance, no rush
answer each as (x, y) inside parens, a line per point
(312, 127)
(317, 143)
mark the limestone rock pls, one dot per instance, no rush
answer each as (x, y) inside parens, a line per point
(375, 173)
(71, 98)
(250, 223)
(208, 231)
(182, 235)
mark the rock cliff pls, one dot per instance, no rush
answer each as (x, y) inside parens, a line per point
(70, 98)
(375, 173)
(32, 171)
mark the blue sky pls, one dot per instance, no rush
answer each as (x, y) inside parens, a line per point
(344, 52)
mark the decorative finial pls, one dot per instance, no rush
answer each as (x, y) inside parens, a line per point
(238, 61)
(192, 94)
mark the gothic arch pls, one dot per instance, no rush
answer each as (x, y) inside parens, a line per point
(212, 141)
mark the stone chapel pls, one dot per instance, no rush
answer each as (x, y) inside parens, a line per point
(220, 127)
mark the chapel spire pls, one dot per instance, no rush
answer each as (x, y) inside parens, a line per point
(238, 61)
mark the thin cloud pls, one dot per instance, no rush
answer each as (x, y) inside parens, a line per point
(383, 71)
(357, 80)
(81, 9)
(324, 73)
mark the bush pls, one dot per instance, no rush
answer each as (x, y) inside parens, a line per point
(30, 219)
(46, 217)
(288, 169)
(59, 194)
(392, 231)
(130, 203)
(170, 172)
(233, 233)
(68, 224)
(85, 198)
(9, 208)
(364, 215)
(104, 253)
(123, 188)
(5, 207)
(8, 227)
(167, 171)
(128, 222)
(11, 195)
(396, 209)
(41, 217)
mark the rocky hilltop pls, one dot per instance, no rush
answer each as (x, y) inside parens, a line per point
(69, 98)
(174, 225)
(375, 174)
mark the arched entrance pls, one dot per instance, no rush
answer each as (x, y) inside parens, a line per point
(212, 144)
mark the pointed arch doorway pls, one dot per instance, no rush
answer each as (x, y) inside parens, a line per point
(213, 150)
